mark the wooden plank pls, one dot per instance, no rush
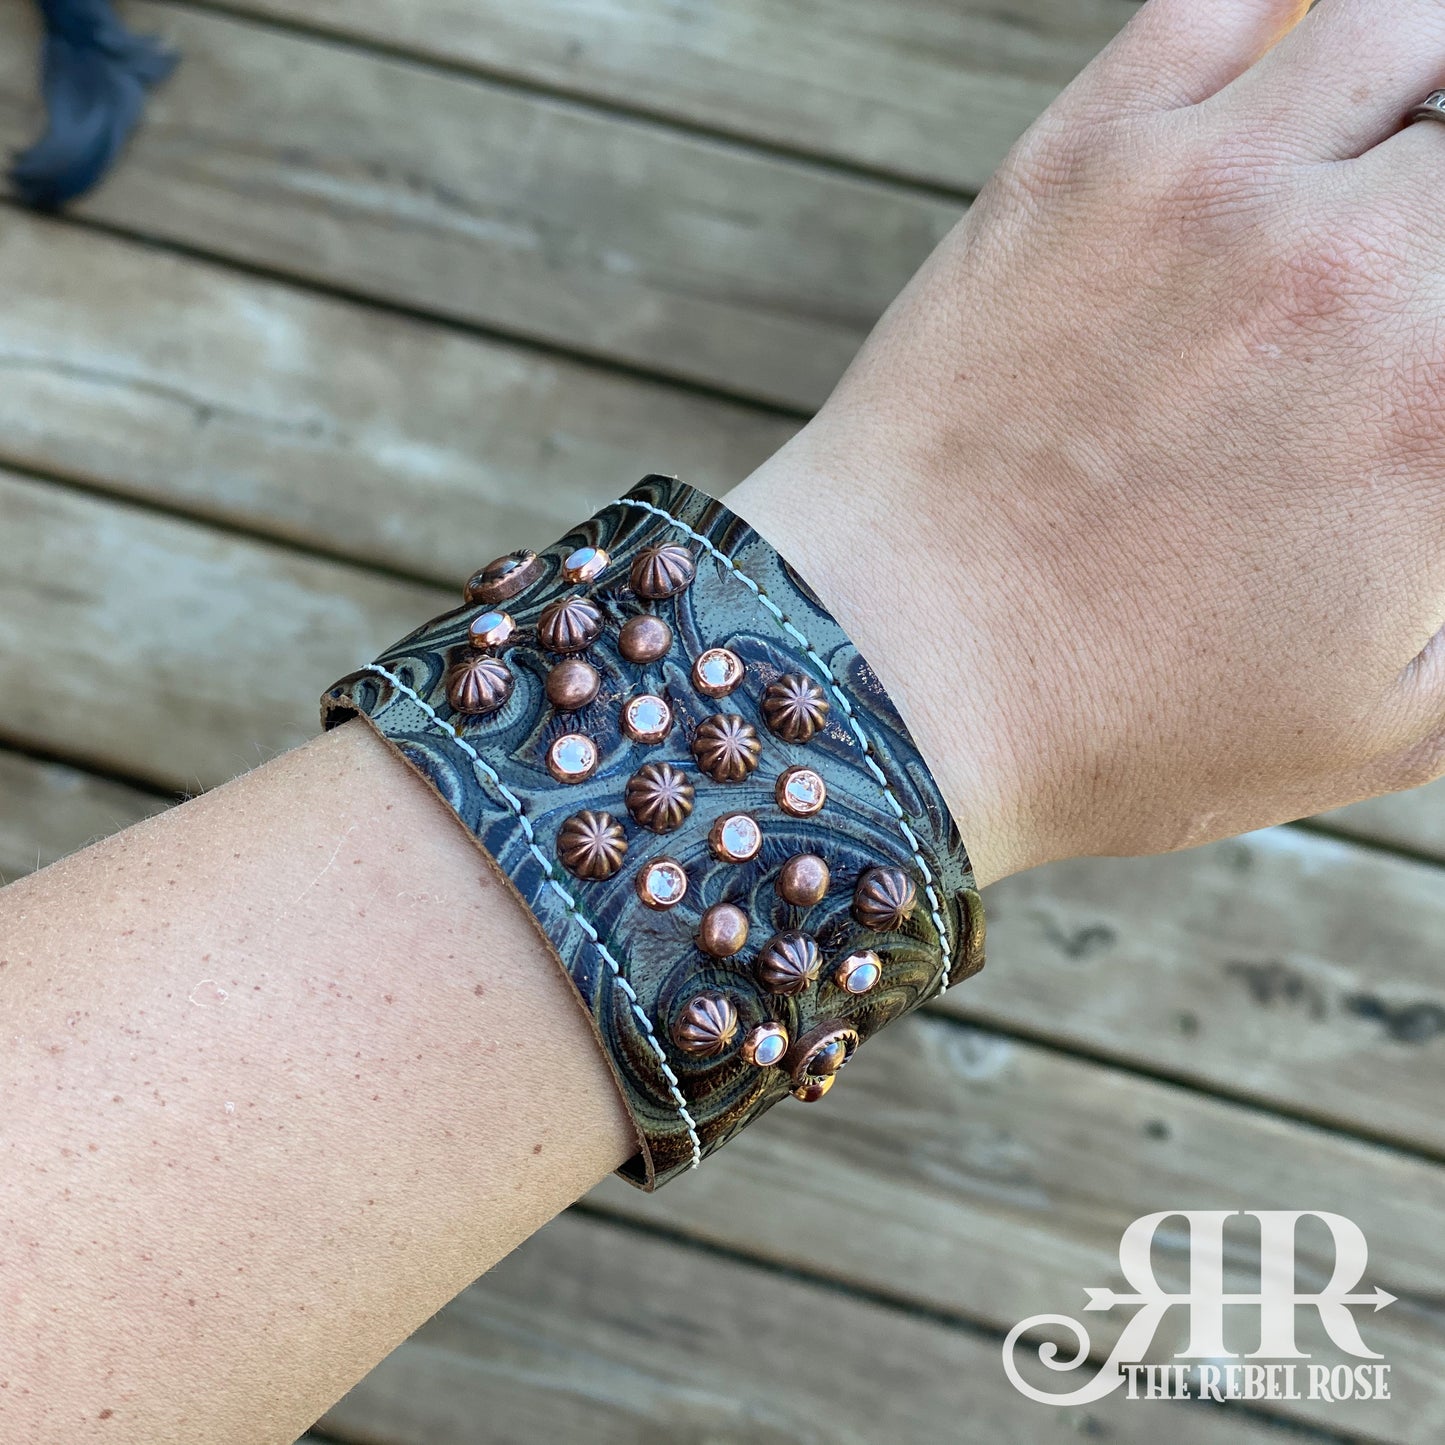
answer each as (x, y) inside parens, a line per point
(166, 651)
(593, 1333)
(357, 432)
(1414, 820)
(930, 90)
(970, 1173)
(48, 810)
(1285, 967)
(682, 256)
(1297, 970)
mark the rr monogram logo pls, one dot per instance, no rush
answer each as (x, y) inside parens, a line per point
(1277, 1300)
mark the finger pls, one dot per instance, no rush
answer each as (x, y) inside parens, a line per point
(1344, 79)
(1175, 53)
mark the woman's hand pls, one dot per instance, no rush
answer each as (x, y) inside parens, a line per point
(1137, 493)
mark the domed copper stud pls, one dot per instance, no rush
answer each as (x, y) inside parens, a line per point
(572, 758)
(727, 749)
(644, 638)
(646, 718)
(662, 571)
(789, 962)
(504, 578)
(735, 838)
(479, 685)
(659, 797)
(794, 707)
(859, 972)
(572, 684)
(817, 1057)
(716, 672)
(801, 792)
(585, 564)
(803, 880)
(722, 930)
(662, 883)
(591, 845)
(707, 1026)
(568, 625)
(491, 629)
(884, 898)
(765, 1045)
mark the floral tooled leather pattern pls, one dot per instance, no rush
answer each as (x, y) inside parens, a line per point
(637, 969)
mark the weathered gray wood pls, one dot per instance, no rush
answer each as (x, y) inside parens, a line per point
(167, 651)
(625, 240)
(358, 432)
(593, 1334)
(1285, 967)
(934, 90)
(1294, 969)
(48, 810)
(989, 1178)
(1414, 820)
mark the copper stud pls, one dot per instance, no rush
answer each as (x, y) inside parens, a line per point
(811, 1093)
(722, 930)
(591, 845)
(727, 749)
(794, 707)
(801, 792)
(491, 629)
(662, 883)
(662, 571)
(803, 880)
(789, 962)
(706, 1026)
(504, 578)
(765, 1045)
(644, 638)
(819, 1054)
(572, 684)
(884, 898)
(659, 797)
(585, 564)
(478, 685)
(646, 718)
(572, 758)
(716, 672)
(568, 625)
(859, 972)
(735, 838)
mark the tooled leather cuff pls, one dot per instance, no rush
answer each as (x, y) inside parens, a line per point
(705, 797)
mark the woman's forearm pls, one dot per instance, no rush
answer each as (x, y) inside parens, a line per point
(283, 1070)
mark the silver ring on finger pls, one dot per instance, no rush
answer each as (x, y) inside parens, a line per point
(1431, 108)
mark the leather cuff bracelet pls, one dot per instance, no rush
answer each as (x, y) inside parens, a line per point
(705, 797)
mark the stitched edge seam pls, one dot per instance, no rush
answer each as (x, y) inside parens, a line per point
(772, 607)
(485, 769)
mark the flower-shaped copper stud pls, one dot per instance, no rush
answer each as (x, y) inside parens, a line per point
(789, 962)
(568, 625)
(659, 797)
(662, 571)
(706, 1026)
(726, 747)
(591, 845)
(794, 707)
(883, 898)
(504, 578)
(479, 685)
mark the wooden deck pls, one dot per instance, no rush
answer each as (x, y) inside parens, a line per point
(384, 289)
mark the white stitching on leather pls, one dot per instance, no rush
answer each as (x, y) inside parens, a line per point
(772, 607)
(480, 765)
